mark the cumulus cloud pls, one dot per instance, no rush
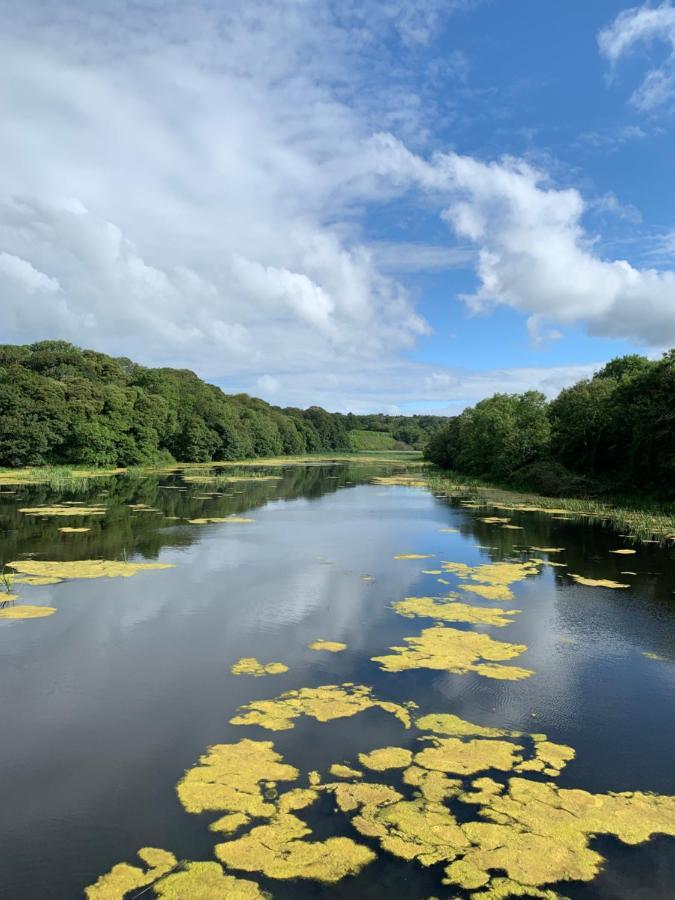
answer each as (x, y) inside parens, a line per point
(189, 184)
(644, 25)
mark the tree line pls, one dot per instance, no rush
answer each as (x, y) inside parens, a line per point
(60, 404)
(615, 430)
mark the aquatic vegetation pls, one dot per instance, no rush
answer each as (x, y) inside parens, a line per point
(328, 646)
(25, 611)
(206, 881)
(342, 771)
(63, 510)
(84, 568)
(449, 530)
(597, 582)
(279, 851)
(624, 552)
(249, 665)
(495, 520)
(433, 786)
(215, 520)
(498, 592)
(38, 580)
(648, 655)
(548, 549)
(492, 580)
(431, 572)
(68, 530)
(122, 878)
(331, 701)
(465, 757)
(415, 556)
(233, 778)
(460, 652)
(437, 608)
(447, 723)
(399, 481)
(386, 758)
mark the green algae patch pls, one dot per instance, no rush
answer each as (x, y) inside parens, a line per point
(466, 757)
(415, 556)
(494, 520)
(431, 572)
(386, 758)
(279, 850)
(597, 582)
(624, 552)
(122, 878)
(63, 510)
(37, 580)
(493, 580)
(437, 608)
(215, 520)
(341, 771)
(68, 530)
(433, 786)
(656, 656)
(449, 530)
(331, 701)
(549, 758)
(83, 568)
(460, 652)
(447, 723)
(206, 881)
(26, 611)
(327, 646)
(249, 665)
(548, 549)
(232, 778)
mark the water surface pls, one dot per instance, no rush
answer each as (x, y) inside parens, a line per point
(106, 703)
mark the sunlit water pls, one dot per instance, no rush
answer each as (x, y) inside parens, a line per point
(105, 704)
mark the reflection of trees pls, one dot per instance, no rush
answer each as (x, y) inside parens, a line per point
(126, 531)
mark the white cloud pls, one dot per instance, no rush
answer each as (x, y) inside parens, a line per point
(638, 26)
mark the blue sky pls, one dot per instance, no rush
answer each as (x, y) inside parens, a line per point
(366, 205)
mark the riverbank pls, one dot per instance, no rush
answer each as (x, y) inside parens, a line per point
(640, 518)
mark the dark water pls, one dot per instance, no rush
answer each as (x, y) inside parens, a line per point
(105, 704)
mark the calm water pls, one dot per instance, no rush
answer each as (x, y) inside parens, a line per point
(106, 703)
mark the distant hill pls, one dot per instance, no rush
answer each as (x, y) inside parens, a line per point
(61, 404)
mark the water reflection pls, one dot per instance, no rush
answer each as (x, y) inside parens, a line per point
(106, 703)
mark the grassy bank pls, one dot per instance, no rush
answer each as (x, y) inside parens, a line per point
(641, 518)
(70, 477)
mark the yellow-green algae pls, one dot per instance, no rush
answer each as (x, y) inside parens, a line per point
(447, 723)
(493, 580)
(342, 771)
(386, 758)
(328, 646)
(460, 652)
(548, 549)
(232, 778)
(431, 572)
(68, 530)
(249, 665)
(624, 552)
(37, 580)
(597, 582)
(206, 881)
(214, 520)
(465, 757)
(63, 510)
(83, 568)
(415, 556)
(279, 850)
(25, 610)
(656, 656)
(325, 703)
(122, 878)
(437, 608)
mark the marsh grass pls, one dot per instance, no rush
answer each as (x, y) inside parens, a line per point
(641, 519)
(7, 578)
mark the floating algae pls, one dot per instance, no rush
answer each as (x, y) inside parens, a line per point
(494, 520)
(433, 786)
(331, 701)
(342, 771)
(328, 646)
(279, 851)
(449, 530)
(249, 665)
(25, 611)
(215, 520)
(447, 723)
(415, 556)
(122, 878)
(548, 549)
(64, 510)
(386, 758)
(232, 778)
(37, 580)
(492, 580)
(437, 608)
(68, 530)
(431, 572)
(460, 652)
(83, 568)
(206, 881)
(597, 582)
(655, 656)
(624, 552)
(465, 757)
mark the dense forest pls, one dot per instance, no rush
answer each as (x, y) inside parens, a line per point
(63, 405)
(614, 430)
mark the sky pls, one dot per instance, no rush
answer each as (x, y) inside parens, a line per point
(396, 206)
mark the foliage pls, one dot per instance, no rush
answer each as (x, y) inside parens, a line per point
(617, 428)
(60, 405)
(360, 439)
